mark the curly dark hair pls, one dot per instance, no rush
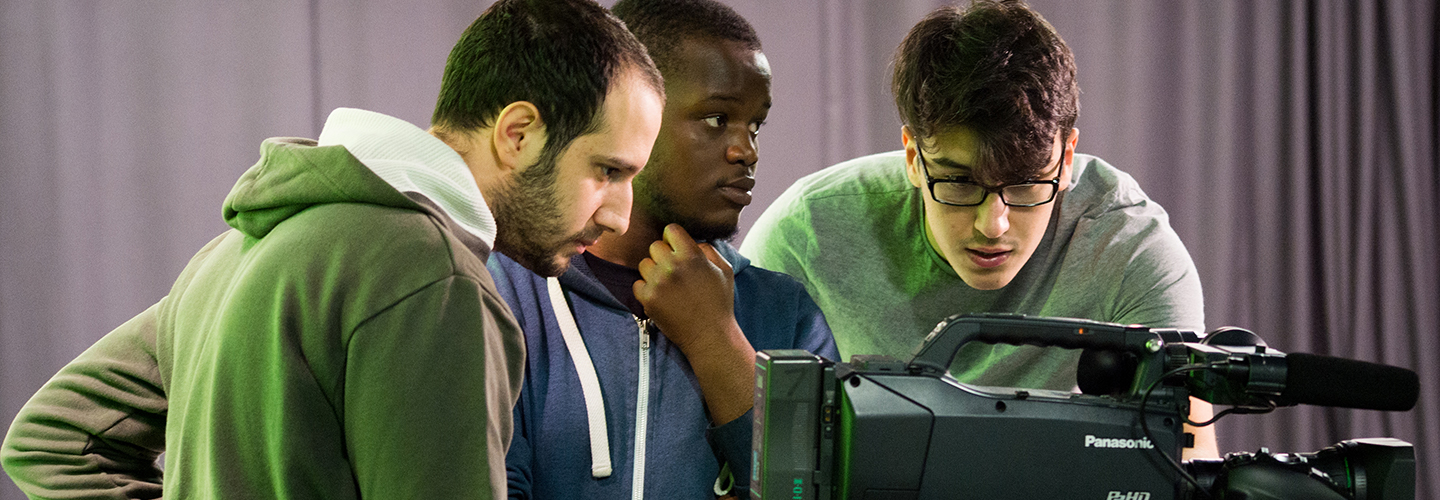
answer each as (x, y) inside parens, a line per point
(560, 55)
(663, 24)
(997, 68)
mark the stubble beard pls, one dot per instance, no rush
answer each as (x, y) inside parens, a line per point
(662, 208)
(530, 226)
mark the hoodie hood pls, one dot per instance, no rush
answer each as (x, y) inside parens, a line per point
(294, 174)
(730, 254)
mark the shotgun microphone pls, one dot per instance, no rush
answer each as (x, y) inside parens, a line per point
(1325, 381)
(1246, 372)
(1240, 370)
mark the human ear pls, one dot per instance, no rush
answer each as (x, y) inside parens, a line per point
(1068, 161)
(912, 168)
(518, 135)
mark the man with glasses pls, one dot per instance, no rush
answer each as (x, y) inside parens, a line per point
(987, 209)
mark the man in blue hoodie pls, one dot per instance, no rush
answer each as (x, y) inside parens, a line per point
(650, 395)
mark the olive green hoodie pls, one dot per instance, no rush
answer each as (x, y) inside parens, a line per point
(344, 340)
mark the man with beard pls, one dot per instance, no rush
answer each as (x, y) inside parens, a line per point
(345, 339)
(645, 349)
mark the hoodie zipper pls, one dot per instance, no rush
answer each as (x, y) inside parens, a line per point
(642, 411)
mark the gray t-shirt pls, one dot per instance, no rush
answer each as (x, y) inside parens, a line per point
(854, 235)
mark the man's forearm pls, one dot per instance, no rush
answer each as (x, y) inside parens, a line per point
(1205, 442)
(724, 365)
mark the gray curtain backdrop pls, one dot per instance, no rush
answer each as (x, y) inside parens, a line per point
(1293, 142)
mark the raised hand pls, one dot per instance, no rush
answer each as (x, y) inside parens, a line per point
(686, 287)
(688, 290)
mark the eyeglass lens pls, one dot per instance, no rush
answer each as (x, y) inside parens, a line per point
(972, 194)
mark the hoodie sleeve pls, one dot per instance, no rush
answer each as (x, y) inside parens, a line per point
(519, 459)
(96, 428)
(813, 333)
(429, 387)
(732, 441)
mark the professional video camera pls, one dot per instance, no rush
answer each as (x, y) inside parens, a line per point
(882, 429)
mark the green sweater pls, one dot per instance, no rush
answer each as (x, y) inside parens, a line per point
(342, 341)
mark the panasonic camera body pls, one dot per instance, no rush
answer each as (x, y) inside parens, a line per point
(878, 428)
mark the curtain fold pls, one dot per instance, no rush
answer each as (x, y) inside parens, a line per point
(1293, 142)
(1295, 147)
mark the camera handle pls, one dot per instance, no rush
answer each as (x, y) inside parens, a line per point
(933, 356)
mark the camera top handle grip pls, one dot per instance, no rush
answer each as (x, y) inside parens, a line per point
(933, 356)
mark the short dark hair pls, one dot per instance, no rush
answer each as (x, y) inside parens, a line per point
(560, 55)
(663, 24)
(997, 68)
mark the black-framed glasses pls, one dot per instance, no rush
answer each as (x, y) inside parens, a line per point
(961, 192)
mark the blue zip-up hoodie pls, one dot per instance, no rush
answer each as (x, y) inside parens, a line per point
(549, 457)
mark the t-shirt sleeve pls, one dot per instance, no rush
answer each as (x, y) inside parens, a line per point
(1161, 287)
(428, 394)
(96, 428)
(781, 238)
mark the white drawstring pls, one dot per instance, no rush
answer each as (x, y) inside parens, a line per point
(589, 383)
(724, 481)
